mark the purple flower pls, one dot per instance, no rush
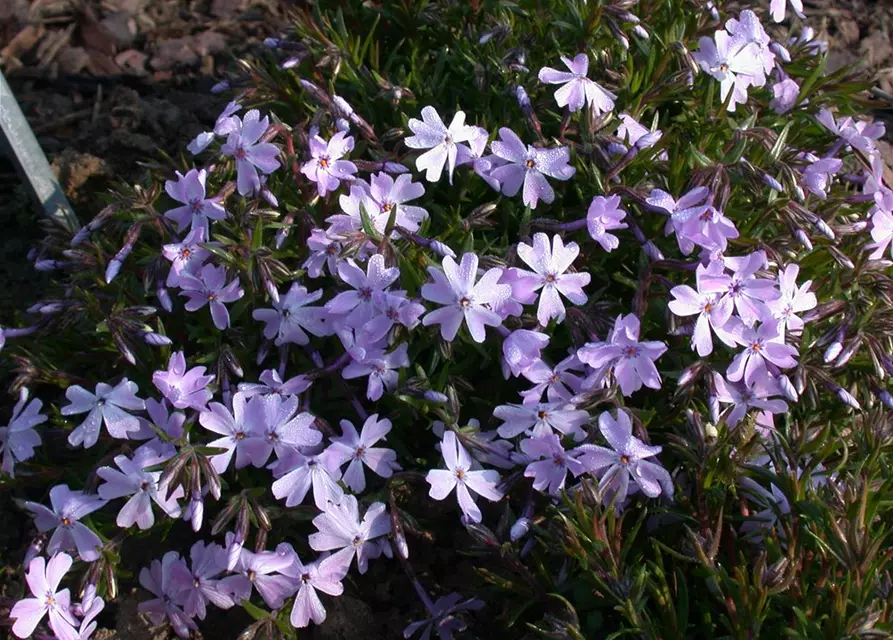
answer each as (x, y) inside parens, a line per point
(551, 463)
(605, 215)
(277, 428)
(88, 608)
(785, 94)
(734, 63)
(387, 194)
(523, 291)
(633, 361)
(482, 164)
(381, 368)
(443, 617)
(197, 210)
(246, 420)
(68, 507)
(359, 449)
(777, 9)
(197, 585)
(298, 473)
(325, 574)
(209, 287)
(107, 406)
(187, 257)
(549, 264)
(521, 350)
(541, 419)
(625, 461)
(793, 300)
(816, 175)
(680, 211)
(184, 389)
(455, 287)
(529, 166)
(242, 144)
(712, 309)
(761, 346)
(391, 307)
(859, 135)
(325, 250)
(270, 382)
(460, 476)
(441, 141)
(260, 571)
(224, 125)
(358, 306)
(290, 318)
(557, 382)
(43, 580)
(578, 90)
(162, 419)
(18, 439)
(339, 527)
(743, 397)
(326, 168)
(158, 579)
(142, 486)
(710, 229)
(881, 233)
(749, 293)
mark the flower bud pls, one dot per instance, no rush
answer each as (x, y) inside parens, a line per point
(771, 182)
(435, 396)
(164, 298)
(527, 548)
(401, 545)
(35, 549)
(519, 529)
(778, 49)
(787, 388)
(220, 87)
(441, 249)
(803, 239)
(639, 32)
(833, 351)
(714, 407)
(155, 339)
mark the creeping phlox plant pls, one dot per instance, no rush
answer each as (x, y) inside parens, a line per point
(576, 314)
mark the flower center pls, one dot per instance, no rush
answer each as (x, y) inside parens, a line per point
(252, 575)
(195, 205)
(756, 346)
(323, 162)
(624, 459)
(331, 249)
(359, 453)
(530, 164)
(240, 153)
(631, 352)
(447, 140)
(464, 302)
(357, 541)
(144, 485)
(553, 378)
(366, 293)
(240, 435)
(196, 583)
(305, 578)
(211, 297)
(723, 67)
(51, 600)
(541, 414)
(708, 307)
(386, 207)
(558, 460)
(550, 278)
(66, 521)
(185, 253)
(460, 475)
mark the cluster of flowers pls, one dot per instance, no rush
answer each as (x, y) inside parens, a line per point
(748, 302)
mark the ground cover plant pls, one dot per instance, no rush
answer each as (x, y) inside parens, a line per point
(557, 319)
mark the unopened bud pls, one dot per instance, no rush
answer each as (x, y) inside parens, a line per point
(847, 398)
(781, 51)
(833, 351)
(803, 239)
(771, 182)
(155, 339)
(527, 548)
(787, 388)
(442, 250)
(714, 407)
(34, 549)
(652, 251)
(401, 545)
(519, 529)
(164, 298)
(220, 87)
(435, 396)
(639, 32)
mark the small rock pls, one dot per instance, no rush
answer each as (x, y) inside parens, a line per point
(208, 42)
(226, 8)
(876, 48)
(122, 28)
(132, 62)
(173, 53)
(848, 29)
(73, 60)
(74, 169)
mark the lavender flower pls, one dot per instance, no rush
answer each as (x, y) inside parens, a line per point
(743, 397)
(859, 135)
(357, 307)
(443, 618)
(605, 215)
(325, 574)
(817, 174)
(209, 287)
(455, 287)
(326, 168)
(242, 144)
(785, 94)
(578, 90)
(298, 473)
(712, 309)
(184, 389)
(68, 507)
(379, 366)
(680, 211)
(558, 383)
(224, 125)
(551, 463)
(198, 584)
(625, 461)
(107, 406)
(277, 428)
(325, 250)
(749, 293)
(18, 438)
(386, 195)
(521, 350)
(197, 209)
(442, 142)
(761, 346)
(259, 571)
(528, 166)
(541, 419)
(633, 361)
(237, 428)
(391, 307)
(793, 300)
(777, 9)
(159, 580)
(549, 264)
(290, 318)
(460, 476)
(339, 527)
(163, 420)
(734, 63)
(359, 449)
(142, 486)
(43, 581)
(270, 382)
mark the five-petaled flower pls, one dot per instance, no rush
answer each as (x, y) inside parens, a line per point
(68, 533)
(197, 209)
(460, 475)
(528, 166)
(209, 287)
(43, 580)
(550, 264)
(578, 90)
(442, 142)
(326, 167)
(250, 155)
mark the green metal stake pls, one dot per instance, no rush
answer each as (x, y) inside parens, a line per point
(30, 162)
